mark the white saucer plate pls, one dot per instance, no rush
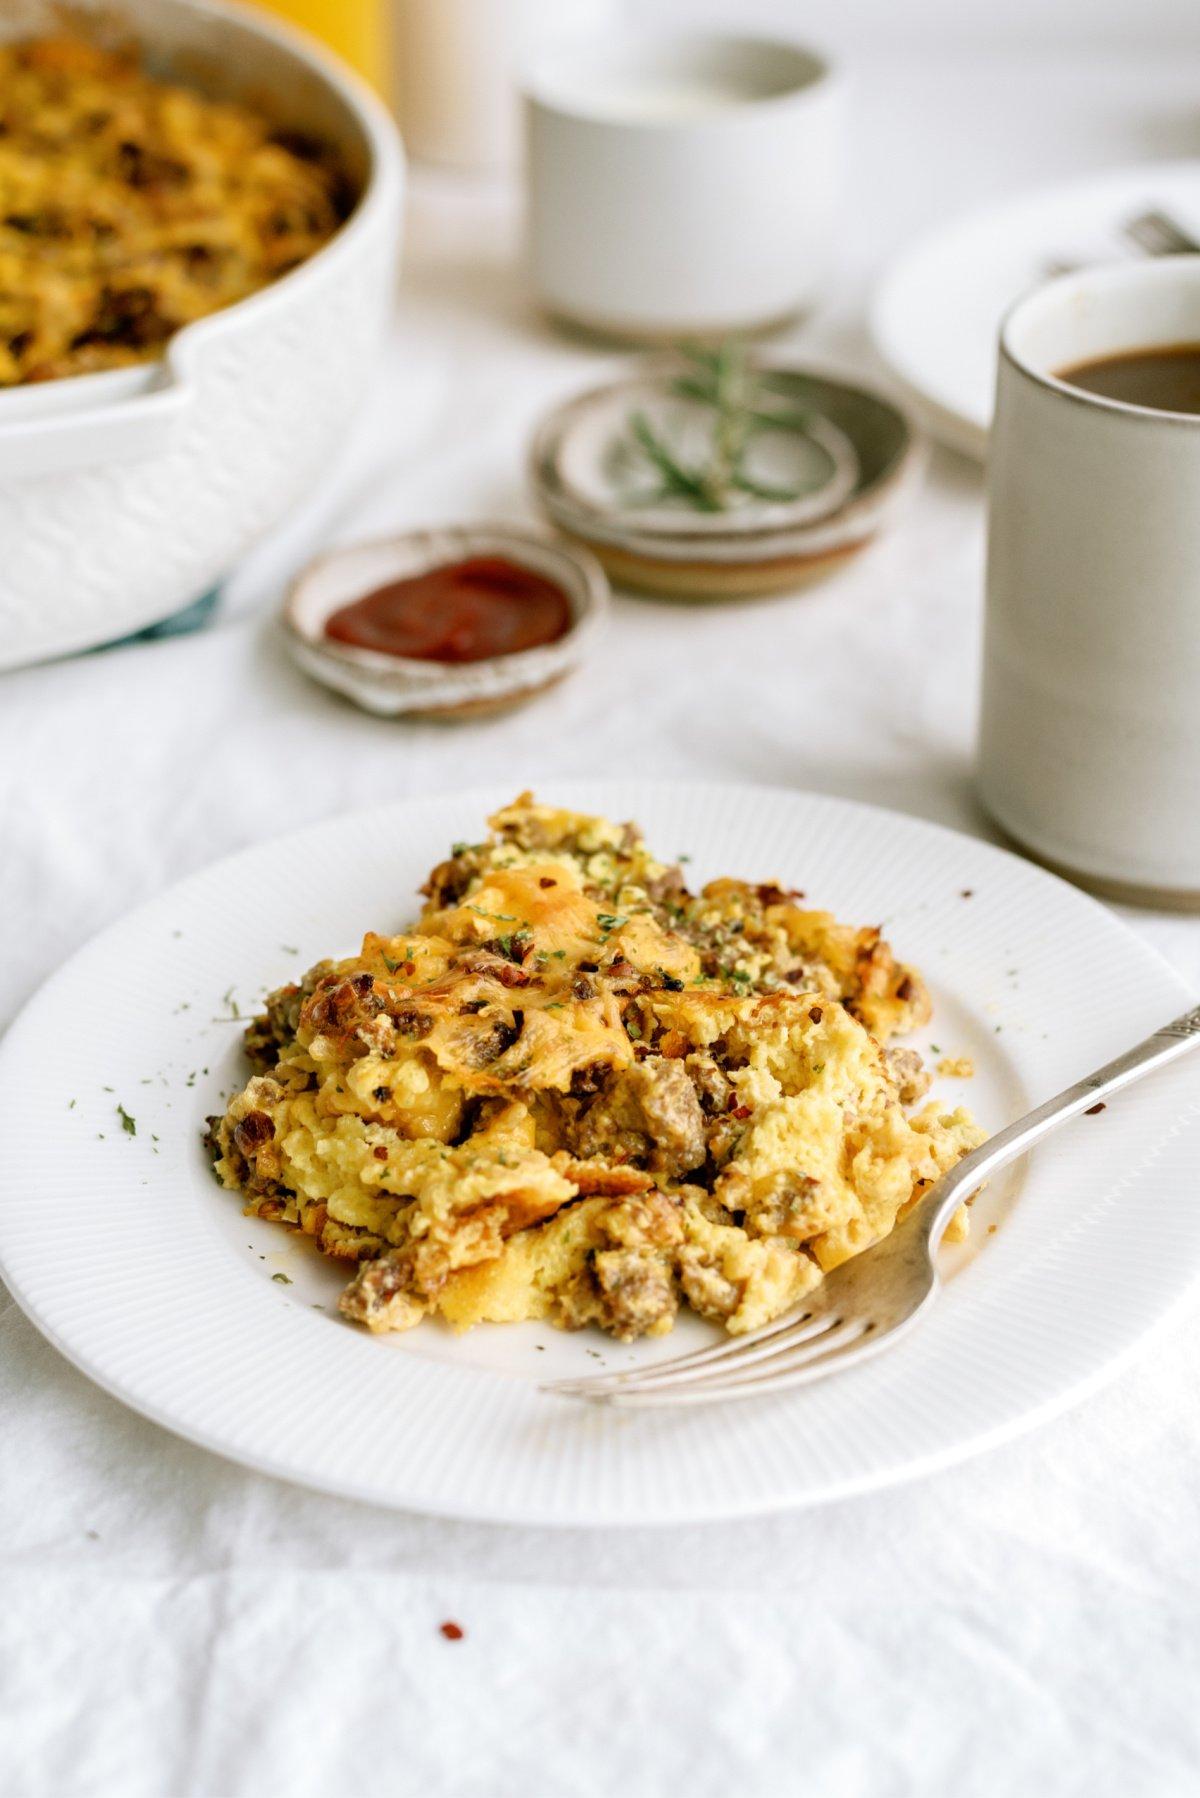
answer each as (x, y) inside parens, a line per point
(936, 314)
(121, 1247)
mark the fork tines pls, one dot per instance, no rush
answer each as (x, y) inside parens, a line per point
(782, 1354)
(1159, 234)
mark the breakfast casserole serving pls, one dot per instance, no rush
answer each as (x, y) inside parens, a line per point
(576, 1091)
(130, 207)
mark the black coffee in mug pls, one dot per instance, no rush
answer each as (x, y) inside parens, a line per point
(1164, 377)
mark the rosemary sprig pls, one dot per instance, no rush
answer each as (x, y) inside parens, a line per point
(723, 379)
(678, 481)
(731, 432)
(776, 496)
(710, 380)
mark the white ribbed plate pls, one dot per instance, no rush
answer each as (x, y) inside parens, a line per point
(132, 1260)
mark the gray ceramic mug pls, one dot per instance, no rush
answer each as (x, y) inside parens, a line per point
(1090, 736)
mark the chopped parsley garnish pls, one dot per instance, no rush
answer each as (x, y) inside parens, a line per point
(128, 1124)
(289, 948)
(464, 848)
(281, 1279)
(497, 917)
(669, 981)
(608, 920)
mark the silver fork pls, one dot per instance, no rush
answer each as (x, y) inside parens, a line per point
(870, 1302)
(1160, 235)
(1153, 231)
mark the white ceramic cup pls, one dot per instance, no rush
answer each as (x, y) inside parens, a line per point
(680, 183)
(1090, 735)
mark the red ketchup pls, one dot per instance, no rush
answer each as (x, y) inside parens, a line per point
(462, 612)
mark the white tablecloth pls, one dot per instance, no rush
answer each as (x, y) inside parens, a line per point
(171, 1624)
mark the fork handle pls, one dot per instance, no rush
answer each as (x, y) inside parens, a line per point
(1172, 1040)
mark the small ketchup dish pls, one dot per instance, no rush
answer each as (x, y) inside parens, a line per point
(457, 622)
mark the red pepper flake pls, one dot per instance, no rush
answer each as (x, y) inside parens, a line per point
(379, 1152)
(816, 1014)
(741, 1111)
(453, 1632)
(1093, 1109)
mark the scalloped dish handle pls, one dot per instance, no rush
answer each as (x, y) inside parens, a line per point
(128, 429)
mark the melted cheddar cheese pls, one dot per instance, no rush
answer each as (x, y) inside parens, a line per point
(130, 207)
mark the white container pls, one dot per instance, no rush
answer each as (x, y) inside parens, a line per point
(680, 183)
(454, 72)
(127, 494)
(1090, 738)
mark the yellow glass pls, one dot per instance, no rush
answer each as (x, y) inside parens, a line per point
(354, 28)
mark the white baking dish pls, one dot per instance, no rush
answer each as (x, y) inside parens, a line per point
(127, 494)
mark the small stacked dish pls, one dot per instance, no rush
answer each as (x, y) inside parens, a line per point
(644, 472)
